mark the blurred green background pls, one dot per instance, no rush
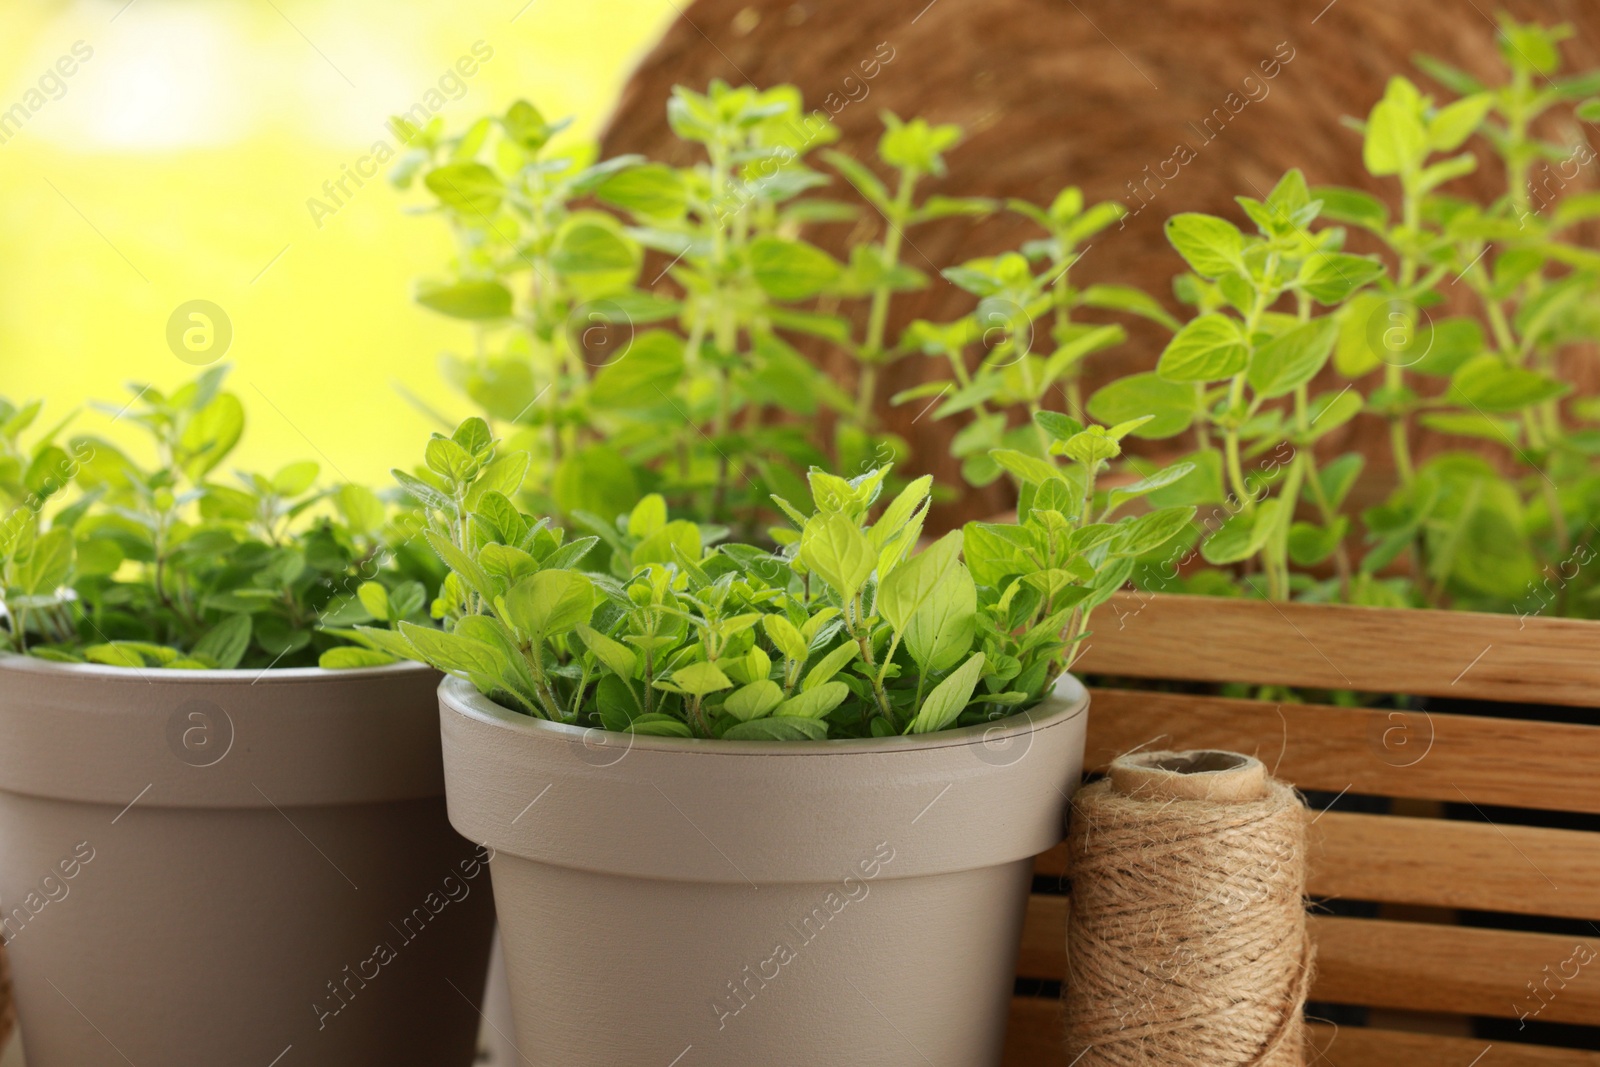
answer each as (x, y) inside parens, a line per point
(176, 163)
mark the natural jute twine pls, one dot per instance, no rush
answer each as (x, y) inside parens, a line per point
(1187, 941)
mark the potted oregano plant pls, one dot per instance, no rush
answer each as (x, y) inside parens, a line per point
(794, 780)
(634, 325)
(193, 811)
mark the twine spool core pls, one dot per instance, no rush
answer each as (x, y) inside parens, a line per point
(1206, 774)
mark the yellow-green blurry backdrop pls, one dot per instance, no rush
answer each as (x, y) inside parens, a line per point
(176, 163)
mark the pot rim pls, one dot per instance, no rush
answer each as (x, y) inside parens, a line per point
(167, 676)
(1067, 700)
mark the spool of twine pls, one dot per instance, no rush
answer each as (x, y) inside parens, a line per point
(1187, 943)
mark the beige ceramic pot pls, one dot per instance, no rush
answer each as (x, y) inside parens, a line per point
(234, 868)
(678, 903)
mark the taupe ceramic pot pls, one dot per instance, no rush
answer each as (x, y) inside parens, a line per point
(727, 904)
(234, 867)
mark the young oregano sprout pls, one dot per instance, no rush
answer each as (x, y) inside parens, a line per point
(844, 630)
(913, 152)
(1031, 349)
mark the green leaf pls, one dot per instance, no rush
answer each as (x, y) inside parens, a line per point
(786, 638)
(653, 190)
(1338, 477)
(866, 182)
(449, 460)
(1329, 411)
(617, 657)
(48, 565)
(347, 657)
(1395, 140)
(390, 641)
(549, 603)
(944, 705)
(1293, 358)
(452, 653)
(1243, 535)
(469, 188)
(1353, 206)
(698, 679)
(829, 665)
(660, 726)
(113, 655)
(813, 703)
(788, 728)
(943, 627)
(211, 434)
(1126, 298)
(225, 643)
(1472, 424)
(833, 547)
(644, 375)
(1211, 246)
(1310, 544)
(1030, 470)
(471, 572)
(1150, 483)
(596, 479)
(662, 546)
(1207, 349)
(910, 585)
(791, 270)
(362, 510)
(1491, 385)
(1451, 125)
(1150, 531)
(754, 700)
(1331, 277)
(591, 243)
(475, 300)
(407, 599)
(1172, 405)
(502, 476)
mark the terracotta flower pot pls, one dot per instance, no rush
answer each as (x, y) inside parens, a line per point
(234, 867)
(700, 903)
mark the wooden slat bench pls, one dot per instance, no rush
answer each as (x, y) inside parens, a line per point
(1423, 975)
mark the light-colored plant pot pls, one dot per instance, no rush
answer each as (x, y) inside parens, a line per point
(234, 867)
(789, 904)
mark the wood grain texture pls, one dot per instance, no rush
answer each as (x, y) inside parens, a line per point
(1351, 1047)
(1409, 966)
(1523, 870)
(1426, 755)
(1034, 1040)
(1457, 654)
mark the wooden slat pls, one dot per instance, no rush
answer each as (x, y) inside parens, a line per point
(1433, 756)
(1035, 1034)
(1334, 1046)
(1418, 967)
(1410, 966)
(1323, 646)
(1526, 870)
(1033, 1038)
